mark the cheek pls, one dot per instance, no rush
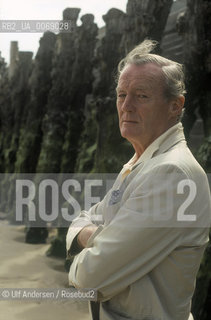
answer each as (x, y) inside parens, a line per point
(118, 109)
(144, 114)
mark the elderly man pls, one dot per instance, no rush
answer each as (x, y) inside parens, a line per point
(144, 258)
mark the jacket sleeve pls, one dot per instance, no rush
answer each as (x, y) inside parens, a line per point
(84, 219)
(93, 216)
(134, 242)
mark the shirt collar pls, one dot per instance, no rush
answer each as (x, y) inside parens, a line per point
(163, 143)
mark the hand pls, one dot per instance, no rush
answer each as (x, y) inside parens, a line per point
(85, 234)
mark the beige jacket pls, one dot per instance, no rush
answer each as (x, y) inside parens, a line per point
(142, 260)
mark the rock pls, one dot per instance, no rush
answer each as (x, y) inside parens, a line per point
(40, 84)
(195, 27)
(80, 85)
(20, 96)
(13, 58)
(197, 46)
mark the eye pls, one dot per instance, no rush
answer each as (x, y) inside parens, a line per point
(121, 95)
(142, 96)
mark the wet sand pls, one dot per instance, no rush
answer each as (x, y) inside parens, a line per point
(25, 265)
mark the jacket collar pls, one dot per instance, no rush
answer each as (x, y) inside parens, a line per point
(163, 143)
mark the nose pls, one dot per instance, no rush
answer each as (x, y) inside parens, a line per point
(128, 104)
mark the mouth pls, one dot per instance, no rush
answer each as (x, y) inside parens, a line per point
(129, 121)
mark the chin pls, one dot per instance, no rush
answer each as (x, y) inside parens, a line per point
(126, 135)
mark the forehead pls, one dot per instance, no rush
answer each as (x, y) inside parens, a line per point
(147, 76)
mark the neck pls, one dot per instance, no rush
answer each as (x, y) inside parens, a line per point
(140, 147)
(139, 150)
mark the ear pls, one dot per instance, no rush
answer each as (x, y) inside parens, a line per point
(176, 106)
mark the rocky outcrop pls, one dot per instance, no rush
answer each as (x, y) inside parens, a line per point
(172, 43)
(195, 27)
(14, 52)
(80, 86)
(54, 123)
(71, 81)
(6, 115)
(14, 110)
(145, 19)
(40, 85)
(20, 96)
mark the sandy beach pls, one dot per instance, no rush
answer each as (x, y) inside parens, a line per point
(27, 266)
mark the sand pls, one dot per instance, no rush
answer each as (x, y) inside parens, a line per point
(26, 266)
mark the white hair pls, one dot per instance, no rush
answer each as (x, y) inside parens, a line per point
(172, 71)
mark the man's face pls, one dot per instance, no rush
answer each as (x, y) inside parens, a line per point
(143, 110)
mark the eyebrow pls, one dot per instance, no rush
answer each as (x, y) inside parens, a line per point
(119, 89)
